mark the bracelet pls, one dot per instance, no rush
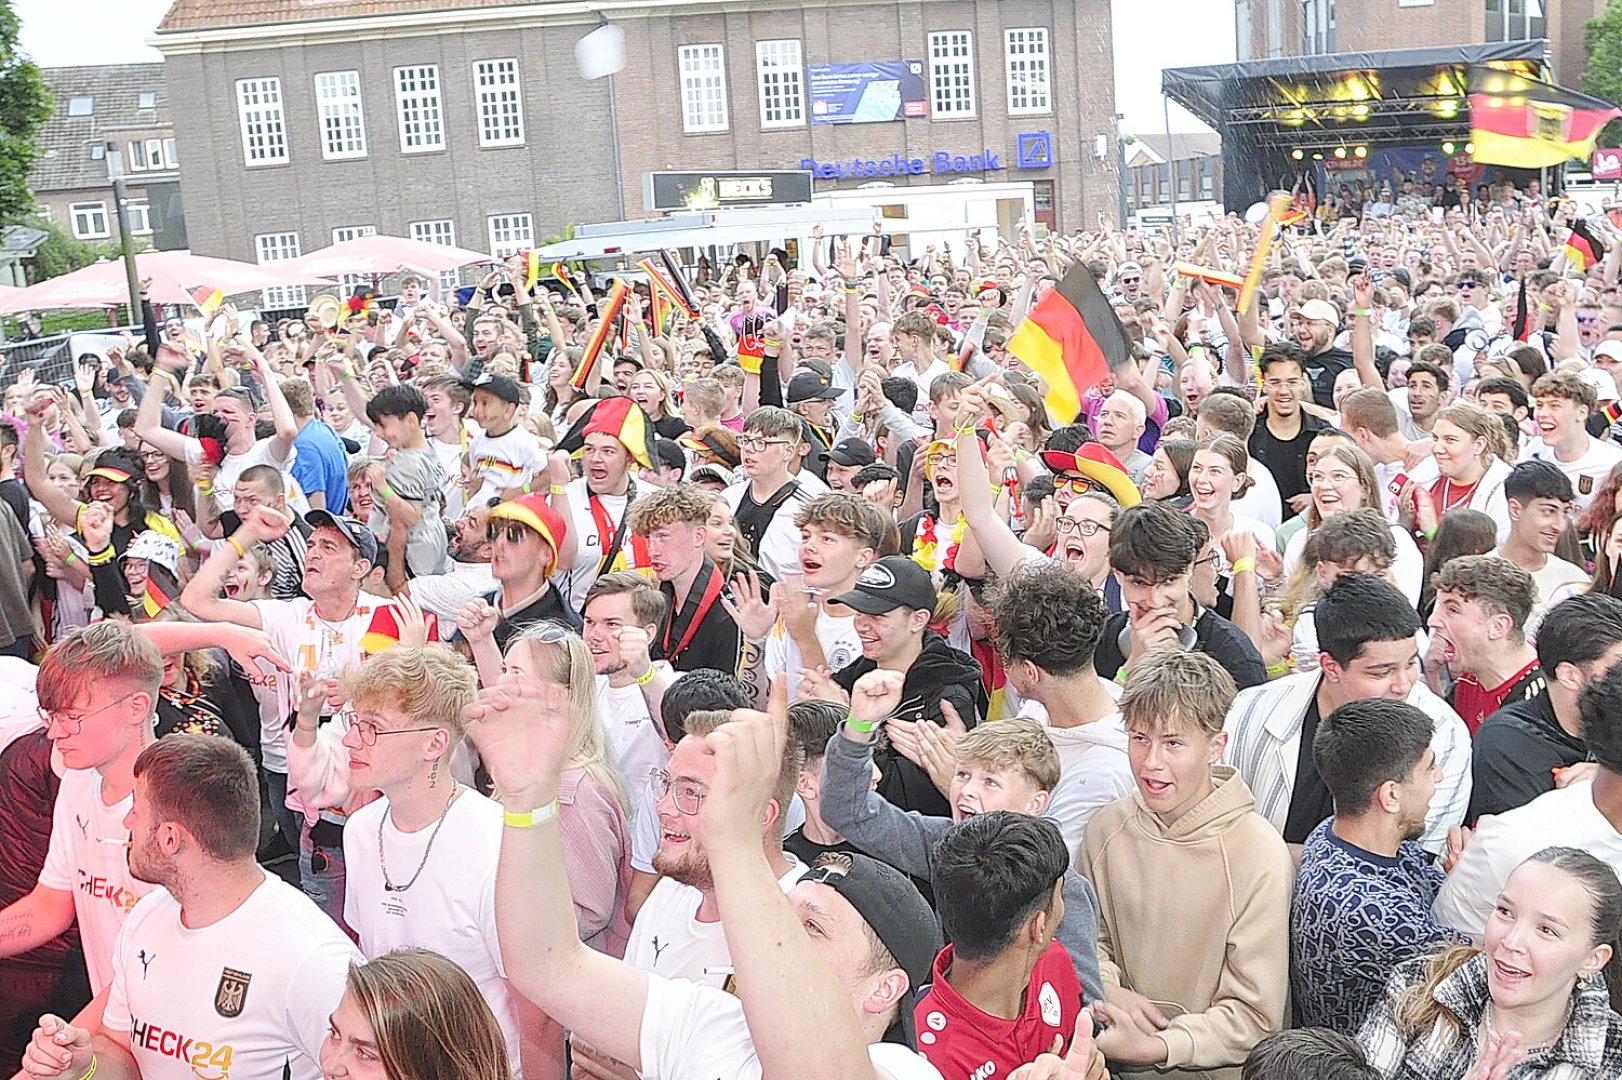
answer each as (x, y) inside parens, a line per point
(861, 727)
(102, 557)
(388, 492)
(351, 375)
(237, 544)
(647, 676)
(206, 489)
(1430, 533)
(1280, 668)
(531, 818)
(964, 430)
(1120, 677)
(95, 1062)
(559, 489)
(1361, 311)
(526, 489)
(853, 290)
(857, 417)
(1192, 345)
(1245, 565)
(72, 558)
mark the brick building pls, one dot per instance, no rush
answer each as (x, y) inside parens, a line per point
(1193, 162)
(467, 122)
(1272, 28)
(121, 109)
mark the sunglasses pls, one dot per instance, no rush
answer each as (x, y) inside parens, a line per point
(512, 531)
(1078, 484)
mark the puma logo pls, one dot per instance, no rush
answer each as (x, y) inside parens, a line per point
(658, 949)
(84, 826)
(146, 961)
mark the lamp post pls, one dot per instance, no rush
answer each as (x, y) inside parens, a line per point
(115, 175)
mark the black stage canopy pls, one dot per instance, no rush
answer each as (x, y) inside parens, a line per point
(1265, 108)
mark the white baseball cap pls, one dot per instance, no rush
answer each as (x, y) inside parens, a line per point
(1611, 350)
(1320, 311)
(1604, 386)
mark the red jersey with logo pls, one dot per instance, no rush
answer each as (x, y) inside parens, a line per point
(965, 1043)
(1474, 702)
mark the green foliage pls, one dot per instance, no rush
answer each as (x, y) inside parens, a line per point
(61, 253)
(25, 104)
(1603, 77)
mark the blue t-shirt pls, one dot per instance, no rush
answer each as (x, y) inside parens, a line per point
(321, 465)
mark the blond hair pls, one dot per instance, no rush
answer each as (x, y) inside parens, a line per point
(1014, 742)
(565, 661)
(428, 1018)
(430, 684)
(1173, 685)
(108, 651)
(704, 721)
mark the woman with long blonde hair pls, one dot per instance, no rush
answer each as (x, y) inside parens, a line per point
(1341, 478)
(1471, 450)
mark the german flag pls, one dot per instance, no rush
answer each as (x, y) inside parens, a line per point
(684, 292)
(661, 283)
(1583, 248)
(1209, 275)
(532, 270)
(1521, 123)
(619, 418)
(1072, 339)
(607, 314)
(383, 632)
(161, 589)
(659, 309)
(207, 300)
(561, 272)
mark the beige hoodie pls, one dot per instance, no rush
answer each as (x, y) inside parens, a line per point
(1196, 917)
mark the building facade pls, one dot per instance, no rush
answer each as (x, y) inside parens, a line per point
(120, 110)
(1271, 28)
(1190, 165)
(467, 121)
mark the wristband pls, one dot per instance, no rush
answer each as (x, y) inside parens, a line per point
(1245, 565)
(1428, 534)
(647, 676)
(1280, 668)
(531, 818)
(205, 489)
(962, 429)
(237, 544)
(854, 290)
(72, 558)
(1363, 311)
(102, 557)
(558, 489)
(95, 1062)
(1192, 345)
(388, 492)
(526, 489)
(861, 727)
(351, 375)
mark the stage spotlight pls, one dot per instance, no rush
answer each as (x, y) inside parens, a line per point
(1340, 151)
(1361, 151)
(1317, 157)
(1297, 154)
(1447, 148)
(1470, 148)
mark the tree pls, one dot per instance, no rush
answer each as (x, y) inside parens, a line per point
(61, 253)
(25, 103)
(1602, 37)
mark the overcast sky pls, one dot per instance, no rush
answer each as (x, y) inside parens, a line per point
(1148, 36)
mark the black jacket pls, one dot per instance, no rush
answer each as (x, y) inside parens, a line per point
(1515, 753)
(940, 673)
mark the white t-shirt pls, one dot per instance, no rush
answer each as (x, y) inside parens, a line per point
(840, 648)
(451, 455)
(1093, 772)
(668, 940)
(591, 547)
(638, 751)
(1262, 500)
(88, 857)
(1557, 580)
(248, 996)
(689, 1032)
(1587, 473)
(225, 477)
(1391, 480)
(450, 908)
(505, 461)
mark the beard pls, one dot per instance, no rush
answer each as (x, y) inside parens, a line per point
(692, 869)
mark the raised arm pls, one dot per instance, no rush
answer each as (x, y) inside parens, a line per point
(57, 503)
(149, 420)
(1001, 548)
(201, 596)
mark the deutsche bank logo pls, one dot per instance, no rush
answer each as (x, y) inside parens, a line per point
(1034, 150)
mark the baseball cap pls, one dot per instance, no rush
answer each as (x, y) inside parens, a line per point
(849, 452)
(109, 472)
(1611, 350)
(809, 386)
(894, 581)
(534, 511)
(889, 904)
(359, 536)
(1128, 268)
(1602, 382)
(500, 385)
(1320, 311)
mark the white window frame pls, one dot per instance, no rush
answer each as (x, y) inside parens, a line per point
(84, 215)
(510, 234)
(262, 121)
(1029, 64)
(82, 105)
(342, 118)
(419, 108)
(780, 78)
(275, 248)
(171, 160)
(951, 75)
(154, 154)
(438, 231)
(500, 100)
(140, 211)
(702, 71)
(137, 155)
(146, 96)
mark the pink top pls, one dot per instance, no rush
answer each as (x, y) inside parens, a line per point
(597, 858)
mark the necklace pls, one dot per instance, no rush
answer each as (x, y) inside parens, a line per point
(390, 886)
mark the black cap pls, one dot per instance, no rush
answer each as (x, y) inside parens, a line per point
(894, 581)
(850, 452)
(819, 367)
(809, 386)
(504, 388)
(359, 536)
(889, 903)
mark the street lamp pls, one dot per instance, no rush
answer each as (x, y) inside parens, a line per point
(121, 209)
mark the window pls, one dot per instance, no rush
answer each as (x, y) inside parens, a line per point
(171, 160)
(140, 212)
(82, 105)
(343, 127)
(1205, 186)
(1027, 58)
(703, 88)
(782, 86)
(1507, 20)
(416, 100)
(438, 232)
(259, 108)
(154, 153)
(138, 161)
(147, 99)
(511, 233)
(273, 248)
(90, 220)
(351, 232)
(951, 73)
(1319, 17)
(501, 108)
(98, 151)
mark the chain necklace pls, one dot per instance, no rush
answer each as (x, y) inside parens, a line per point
(389, 886)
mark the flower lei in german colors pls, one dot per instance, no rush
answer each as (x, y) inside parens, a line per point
(926, 547)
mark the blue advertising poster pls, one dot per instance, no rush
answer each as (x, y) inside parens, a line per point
(868, 93)
(1389, 167)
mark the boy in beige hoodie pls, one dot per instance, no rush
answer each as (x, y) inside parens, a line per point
(1193, 886)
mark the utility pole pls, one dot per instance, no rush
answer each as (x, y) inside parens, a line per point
(115, 174)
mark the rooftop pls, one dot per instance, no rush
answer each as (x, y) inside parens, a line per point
(220, 14)
(95, 105)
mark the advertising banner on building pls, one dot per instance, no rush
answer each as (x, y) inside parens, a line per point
(870, 93)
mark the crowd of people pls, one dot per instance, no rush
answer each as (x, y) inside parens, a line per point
(796, 693)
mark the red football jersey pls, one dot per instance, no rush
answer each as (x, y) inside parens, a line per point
(967, 1044)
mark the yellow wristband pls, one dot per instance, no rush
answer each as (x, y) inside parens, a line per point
(102, 557)
(95, 1063)
(531, 818)
(1246, 565)
(560, 489)
(234, 542)
(1280, 668)
(647, 676)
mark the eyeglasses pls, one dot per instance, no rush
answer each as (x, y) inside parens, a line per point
(369, 731)
(1084, 526)
(1078, 484)
(1331, 478)
(1130, 280)
(71, 724)
(755, 444)
(686, 794)
(513, 532)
